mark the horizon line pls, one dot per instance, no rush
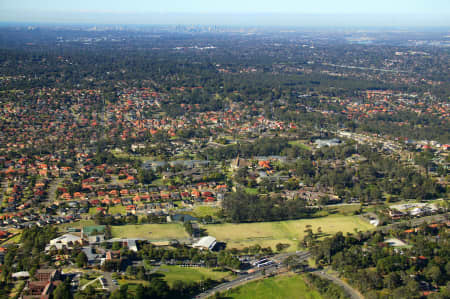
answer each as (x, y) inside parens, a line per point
(283, 19)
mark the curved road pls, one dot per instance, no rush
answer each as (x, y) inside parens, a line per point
(276, 269)
(273, 269)
(354, 294)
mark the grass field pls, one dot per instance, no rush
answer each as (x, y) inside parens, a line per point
(253, 191)
(346, 210)
(281, 287)
(150, 231)
(79, 224)
(90, 277)
(289, 232)
(202, 211)
(14, 240)
(173, 273)
(300, 144)
(125, 155)
(119, 209)
(158, 182)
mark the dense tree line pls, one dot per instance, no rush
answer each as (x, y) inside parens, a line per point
(108, 219)
(159, 289)
(182, 253)
(381, 271)
(243, 207)
(374, 177)
(30, 255)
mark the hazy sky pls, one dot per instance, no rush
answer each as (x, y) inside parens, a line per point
(425, 12)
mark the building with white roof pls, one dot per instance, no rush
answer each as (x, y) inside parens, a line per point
(207, 242)
(63, 241)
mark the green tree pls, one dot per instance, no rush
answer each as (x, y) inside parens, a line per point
(62, 291)
(434, 273)
(392, 280)
(81, 260)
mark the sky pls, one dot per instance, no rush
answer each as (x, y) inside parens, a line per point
(259, 12)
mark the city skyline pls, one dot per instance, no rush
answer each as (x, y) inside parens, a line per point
(284, 13)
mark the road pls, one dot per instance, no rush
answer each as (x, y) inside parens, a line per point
(277, 269)
(416, 221)
(115, 181)
(354, 294)
(274, 269)
(365, 68)
(109, 283)
(53, 188)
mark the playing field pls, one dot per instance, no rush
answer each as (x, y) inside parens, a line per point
(173, 273)
(202, 211)
(289, 232)
(301, 144)
(78, 224)
(273, 288)
(247, 234)
(153, 232)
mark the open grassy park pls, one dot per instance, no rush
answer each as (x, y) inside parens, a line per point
(78, 224)
(202, 211)
(301, 144)
(150, 231)
(174, 273)
(289, 232)
(146, 231)
(242, 234)
(292, 286)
